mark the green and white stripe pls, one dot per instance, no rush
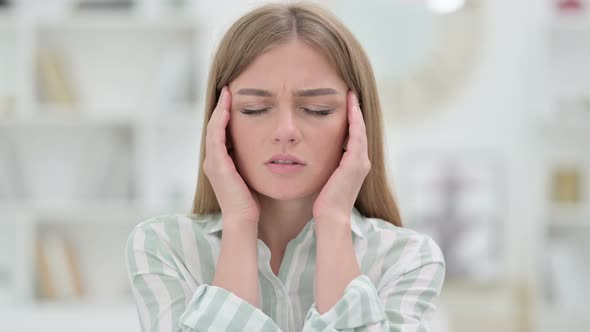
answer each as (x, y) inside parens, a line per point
(171, 261)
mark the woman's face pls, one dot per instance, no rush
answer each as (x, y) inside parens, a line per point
(302, 112)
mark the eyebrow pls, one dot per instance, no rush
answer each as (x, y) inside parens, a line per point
(298, 93)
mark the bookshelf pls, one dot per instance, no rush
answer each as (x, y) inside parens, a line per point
(563, 133)
(100, 126)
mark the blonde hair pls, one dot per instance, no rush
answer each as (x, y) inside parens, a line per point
(272, 24)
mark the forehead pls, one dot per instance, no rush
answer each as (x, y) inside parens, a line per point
(291, 65)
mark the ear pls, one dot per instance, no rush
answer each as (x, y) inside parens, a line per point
(345, 143)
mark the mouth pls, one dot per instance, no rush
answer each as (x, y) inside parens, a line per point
(284, 168)
(284, 164)
(284, 159)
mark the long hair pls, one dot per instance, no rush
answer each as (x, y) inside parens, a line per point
(270, 25)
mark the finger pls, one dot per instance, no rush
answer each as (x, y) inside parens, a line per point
(357, 133)
(358, 112)
(224, 102)
(216, 129)
(223, 108)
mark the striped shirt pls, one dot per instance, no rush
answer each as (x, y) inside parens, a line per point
(171, 262)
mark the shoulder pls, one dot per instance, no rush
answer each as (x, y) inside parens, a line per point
(399, 250)
(169, 231)
(174, 245)
(405, 241)
(166, 225)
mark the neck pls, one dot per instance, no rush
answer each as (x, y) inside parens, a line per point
(281, 221)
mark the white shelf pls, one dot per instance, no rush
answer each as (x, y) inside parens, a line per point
(68, 119)
(115, 316)
(116, 22)
(80, 116)
(109, 305)
(553, 124)
(569, 25)
(562, 132)
(551, 320)
(132, 121)
(570, 226)
(73, 211)
(569, 212)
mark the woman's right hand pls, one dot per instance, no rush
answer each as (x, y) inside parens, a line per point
(235, 198)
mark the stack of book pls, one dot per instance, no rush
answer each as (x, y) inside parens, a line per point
(55, 83)
(58, 272)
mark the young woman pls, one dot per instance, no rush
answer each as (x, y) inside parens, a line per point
(294, 227)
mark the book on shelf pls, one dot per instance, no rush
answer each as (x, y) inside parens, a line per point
(58, 273)
(54, 82)
(566, 185)
(567, 192)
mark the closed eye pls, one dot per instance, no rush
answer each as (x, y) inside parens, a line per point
(253, 112)
(317, 113)
(307, 110)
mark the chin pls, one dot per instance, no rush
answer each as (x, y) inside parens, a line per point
(282, 191)
(283, 194)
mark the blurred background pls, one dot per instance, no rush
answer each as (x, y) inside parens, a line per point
(487, 108)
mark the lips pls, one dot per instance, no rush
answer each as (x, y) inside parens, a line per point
(280, 159)
(284, 169)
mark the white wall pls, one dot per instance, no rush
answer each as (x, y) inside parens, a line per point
(494, 113)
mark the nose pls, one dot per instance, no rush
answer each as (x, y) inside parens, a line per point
(286, 129)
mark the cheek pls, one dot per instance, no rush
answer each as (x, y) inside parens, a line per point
(337, 132)
(246, 143)
(330, 141)
(239, 132)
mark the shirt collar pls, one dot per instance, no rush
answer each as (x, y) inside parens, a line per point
(356, 220)
(214, 225)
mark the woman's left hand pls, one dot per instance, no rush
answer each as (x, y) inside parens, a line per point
(337, 197)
